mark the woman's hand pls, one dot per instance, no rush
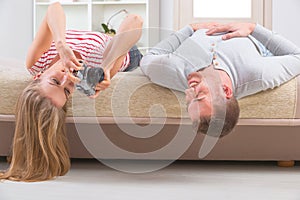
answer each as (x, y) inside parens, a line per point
(68, 57)
(103, 84)
(232, 30)
(207, 25)
(69, 61)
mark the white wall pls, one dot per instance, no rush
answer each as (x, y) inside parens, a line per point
(166, 19)
(286, 17)
(16, 18)
(16, 28)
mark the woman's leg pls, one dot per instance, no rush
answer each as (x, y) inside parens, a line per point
(127, 36)
(135, 59)
(129, 33)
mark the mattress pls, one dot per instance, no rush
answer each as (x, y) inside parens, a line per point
(132, 95)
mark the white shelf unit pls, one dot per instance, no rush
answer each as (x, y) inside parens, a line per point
(90, 14)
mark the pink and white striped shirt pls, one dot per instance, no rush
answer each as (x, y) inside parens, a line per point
(90, 45)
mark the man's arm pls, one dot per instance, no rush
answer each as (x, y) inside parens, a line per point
(163, 66)
(169, 62)
(277, 44)
(275, 70)
(171, 43)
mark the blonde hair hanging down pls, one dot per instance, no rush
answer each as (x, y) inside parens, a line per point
(40, 147)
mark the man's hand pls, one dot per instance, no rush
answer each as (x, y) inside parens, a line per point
(208, 25)
(236, 29)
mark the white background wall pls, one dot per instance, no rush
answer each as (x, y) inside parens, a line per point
(286, 15)
(16, 24)
(166, 19)
(16, 28)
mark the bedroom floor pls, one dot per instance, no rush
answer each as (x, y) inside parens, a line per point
(89, 179)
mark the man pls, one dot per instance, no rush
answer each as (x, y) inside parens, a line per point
(217, 64)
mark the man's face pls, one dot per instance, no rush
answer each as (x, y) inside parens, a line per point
(204, 88)
(198, 96)
(55, 85)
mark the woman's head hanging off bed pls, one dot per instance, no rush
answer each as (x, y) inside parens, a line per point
(40, 148)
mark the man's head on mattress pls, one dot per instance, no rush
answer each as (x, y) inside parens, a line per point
(211, 104)
(40, 147)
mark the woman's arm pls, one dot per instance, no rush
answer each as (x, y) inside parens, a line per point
(127, 36)
(52, 28)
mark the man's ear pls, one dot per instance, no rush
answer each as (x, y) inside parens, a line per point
(228, 91)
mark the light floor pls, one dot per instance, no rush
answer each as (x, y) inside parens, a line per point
(89, 180)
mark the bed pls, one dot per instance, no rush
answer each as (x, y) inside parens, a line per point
(136, 119)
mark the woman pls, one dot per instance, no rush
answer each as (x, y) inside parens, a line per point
(40, 146)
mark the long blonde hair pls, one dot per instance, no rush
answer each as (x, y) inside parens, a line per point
(40, 147)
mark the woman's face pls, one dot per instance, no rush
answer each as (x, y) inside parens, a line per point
(55, 85)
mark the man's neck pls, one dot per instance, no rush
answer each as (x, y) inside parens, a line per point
(225, 78)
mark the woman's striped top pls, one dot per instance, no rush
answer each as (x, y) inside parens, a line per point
(90, 45)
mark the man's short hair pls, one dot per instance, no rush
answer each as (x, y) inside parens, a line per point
(231, 119)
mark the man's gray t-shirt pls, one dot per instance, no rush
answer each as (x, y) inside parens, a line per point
(170, 62)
